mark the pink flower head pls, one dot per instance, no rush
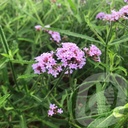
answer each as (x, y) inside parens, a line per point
(124, 10)
(100, 15)
(46, 63)
(50, 112)
(71, 56)
(38, 27)
(114, 16)
(52, 106)
(126, 1)
(37, 68)
(55, 36)
(60, 111)
(86, 49)
(53, 110)
(93, 52)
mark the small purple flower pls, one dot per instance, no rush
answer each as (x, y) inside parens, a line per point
(50, 112)
(55, 36)
(52, 106)
(37, 68)
(126, 1)
(114, 16)
(38, 27)
(124, 10)
(60, 111)
(53, 110)
(93, 52)
(100, 15)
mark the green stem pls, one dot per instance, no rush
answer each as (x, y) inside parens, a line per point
(6, 49)
(75, 125)
(106, 47)
(101, 105)
(55, 83)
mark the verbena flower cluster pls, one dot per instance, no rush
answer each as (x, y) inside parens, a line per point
(93, 52)
(67, 56)
(71, 56)
(115, 15)
(46, 63)
(53, 109)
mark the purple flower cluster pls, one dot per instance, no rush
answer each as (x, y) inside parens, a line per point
(55, 36)
(93, 52)
(53, 109)
(124, 10)
(126, 1)
(71, 56)
(115, 15)
(46, 63)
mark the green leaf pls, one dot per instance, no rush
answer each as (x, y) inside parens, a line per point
(50, 124)
(5, 55)
(3, 99)
(22, 62)
(72, 5)
(63, 99)
(26, 39)
(67, 32)
(23, 122)
(3, 62)
(120, 40)
(27, 76)
(103, 122)
(120, 68)
(117, 114)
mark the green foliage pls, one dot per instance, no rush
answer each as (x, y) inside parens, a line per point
(25, 96)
